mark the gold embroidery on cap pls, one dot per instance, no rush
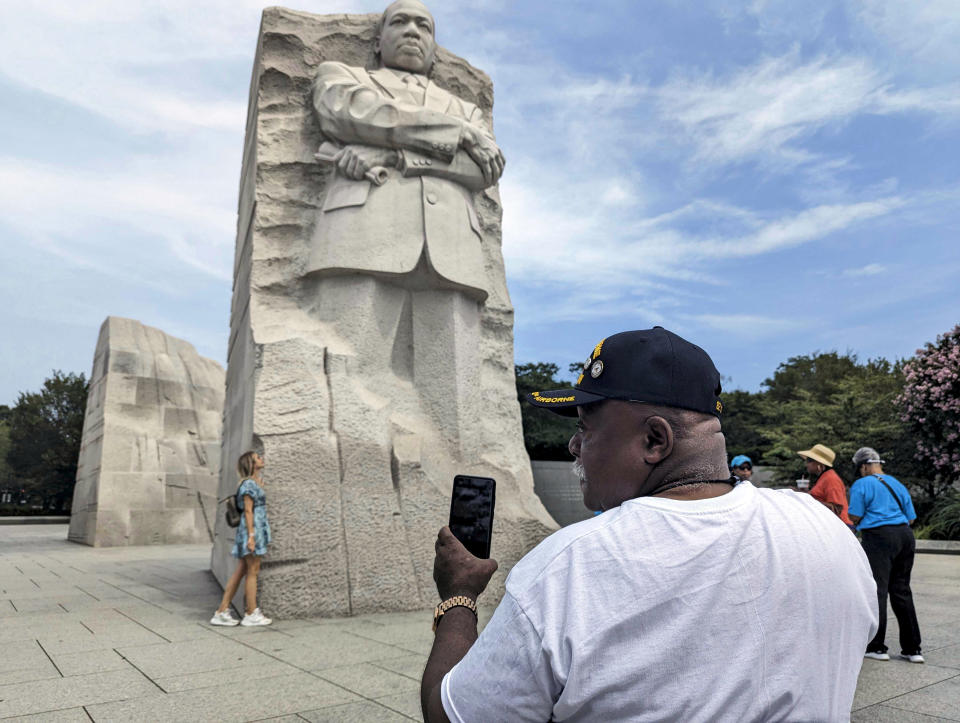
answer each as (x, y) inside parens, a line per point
(719, 406)
(597, 348)
(551, 400)
(579, 379)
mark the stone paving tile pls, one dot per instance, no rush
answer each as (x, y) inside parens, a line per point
(57, 643)
(941, 699)
(885, 714)
(409, 665)
(233, 702)
(37, 605)
(92, 661)
(366, 711)
(26, 675)
(263, 638)
(68, 715)
(938, 636)
(22, 654)
(31, 626)
(407, 703)
(946, 657)
(882, 680)
(368, 681)
(326, 651)
(193, 681)
(44, 695)
(192, 656)
(317, 657)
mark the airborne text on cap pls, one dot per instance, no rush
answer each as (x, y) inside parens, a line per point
(554, 400)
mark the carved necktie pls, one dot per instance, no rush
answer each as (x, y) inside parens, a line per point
(414, 88)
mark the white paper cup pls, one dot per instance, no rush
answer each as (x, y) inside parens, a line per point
(803, 484)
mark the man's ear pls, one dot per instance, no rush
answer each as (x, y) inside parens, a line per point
(657, 440)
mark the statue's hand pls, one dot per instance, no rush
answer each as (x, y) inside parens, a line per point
(482, 149)
(354, 161)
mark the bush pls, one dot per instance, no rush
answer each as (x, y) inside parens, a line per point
(929, 406)
(943, 522)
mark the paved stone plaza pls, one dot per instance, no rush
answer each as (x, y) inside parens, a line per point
(121, 634)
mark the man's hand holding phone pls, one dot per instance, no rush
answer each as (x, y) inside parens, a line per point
(456, 571)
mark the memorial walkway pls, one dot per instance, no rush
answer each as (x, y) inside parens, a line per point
(121, 634)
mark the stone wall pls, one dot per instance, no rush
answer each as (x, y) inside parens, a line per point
(559, 489)
(357, 482)
(149, 456)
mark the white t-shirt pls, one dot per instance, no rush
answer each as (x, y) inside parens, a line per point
(755, 605)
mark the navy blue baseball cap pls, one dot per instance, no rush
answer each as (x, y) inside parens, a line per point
(654, 366)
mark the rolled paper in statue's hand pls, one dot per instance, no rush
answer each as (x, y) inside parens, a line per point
(330, 153)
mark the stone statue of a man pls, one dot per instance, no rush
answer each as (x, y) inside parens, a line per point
(371, 354)
(398, 263)
(436, 148)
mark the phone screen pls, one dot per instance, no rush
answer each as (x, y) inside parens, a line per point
(471, 512)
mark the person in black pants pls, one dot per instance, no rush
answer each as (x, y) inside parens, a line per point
(881, 508)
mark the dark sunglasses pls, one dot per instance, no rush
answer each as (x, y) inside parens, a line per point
(745, 465)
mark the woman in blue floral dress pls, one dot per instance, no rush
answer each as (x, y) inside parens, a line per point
(250, 544)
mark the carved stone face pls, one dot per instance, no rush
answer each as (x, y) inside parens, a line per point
(406, 40)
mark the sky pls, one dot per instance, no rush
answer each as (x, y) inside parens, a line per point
(767, 179)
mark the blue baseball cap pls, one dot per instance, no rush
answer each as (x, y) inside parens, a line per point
(739, 460)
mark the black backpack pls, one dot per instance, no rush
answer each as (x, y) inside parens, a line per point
(233, 512)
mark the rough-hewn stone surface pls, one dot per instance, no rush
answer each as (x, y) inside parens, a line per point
(149, 457)
(358, 472)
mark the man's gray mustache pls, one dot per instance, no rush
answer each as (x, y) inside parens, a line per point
(578, 470)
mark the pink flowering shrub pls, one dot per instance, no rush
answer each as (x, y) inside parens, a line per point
(930, 406)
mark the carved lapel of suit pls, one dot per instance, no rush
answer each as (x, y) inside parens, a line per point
(436, 98)
(391, 84)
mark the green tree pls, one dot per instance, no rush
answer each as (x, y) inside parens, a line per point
(44, 437)
(743, 423)
(545, 434)
(5, 475)
(835, 400)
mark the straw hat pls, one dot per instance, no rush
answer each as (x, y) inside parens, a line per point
(819, 453)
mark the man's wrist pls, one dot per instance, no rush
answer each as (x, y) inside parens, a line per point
(452, 603)
(458, 591)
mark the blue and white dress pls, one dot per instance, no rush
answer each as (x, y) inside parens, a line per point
(261, 526)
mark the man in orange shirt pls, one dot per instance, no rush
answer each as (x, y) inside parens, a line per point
(827, 488)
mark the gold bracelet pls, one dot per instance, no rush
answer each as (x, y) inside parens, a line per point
(455, 601)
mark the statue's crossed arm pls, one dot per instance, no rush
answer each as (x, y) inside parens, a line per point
(358, 114)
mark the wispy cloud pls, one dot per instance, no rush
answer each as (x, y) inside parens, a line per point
(47, 203)
(748, 326)
(549, 240)
(763, 111)
(928, 32)
(868, 270)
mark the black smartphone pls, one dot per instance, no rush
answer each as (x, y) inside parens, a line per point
(471, 512)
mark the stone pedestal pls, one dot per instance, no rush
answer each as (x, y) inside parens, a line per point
(149, 456)
(361, 436)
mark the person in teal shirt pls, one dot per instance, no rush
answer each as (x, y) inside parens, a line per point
(881, 508)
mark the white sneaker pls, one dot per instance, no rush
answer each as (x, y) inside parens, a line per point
(255, 618)
(224, 618)
(877, 656)
(915, 658)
